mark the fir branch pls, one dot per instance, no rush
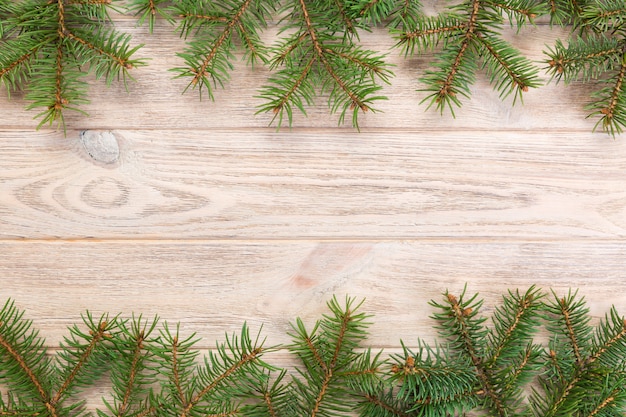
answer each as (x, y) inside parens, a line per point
(208, 56)
(429, 32)
(610, 342)
(54, 43)
(495, 364)
(56, 88)
(25, 367)
(148, 10)
(507, 70)
(175, 359)
(273, 398)
(227, 376)
(469, 37)
(610, 103)
(132, 370)
(43, 388)
(597, 54)
(84, 357)
(468, 331)
(15, 62)
(587, 371)
(514, 327)
(604, 15)
(433, 382)
(335, 377)
(322, 51)
(584, 58)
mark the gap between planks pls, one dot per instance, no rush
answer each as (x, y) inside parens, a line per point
(315, 239)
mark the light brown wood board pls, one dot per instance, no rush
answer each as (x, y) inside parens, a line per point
(210, 218)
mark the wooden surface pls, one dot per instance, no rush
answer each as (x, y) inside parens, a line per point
(206, 216)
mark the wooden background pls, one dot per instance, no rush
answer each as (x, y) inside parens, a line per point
(210, 218)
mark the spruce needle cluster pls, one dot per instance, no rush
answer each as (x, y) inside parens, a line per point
(468, 38)
(48, 46)
(211, 29)
(595, 52)
(504, 366)
(319, 53)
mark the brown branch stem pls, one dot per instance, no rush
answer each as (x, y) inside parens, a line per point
(202, 71)
(319, 50)
(97, 337)
(482, 373)
(447, 87)
(428, 32)
(249, 357)
(30, 373)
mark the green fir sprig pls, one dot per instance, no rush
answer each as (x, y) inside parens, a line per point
(467, 37)
(212, 29)
(47, 47)
(41, 386)
(496, 368)
(595, 52)
(477, 367)
(337, 370)
(586, 366)
(318, 53)
(218, 385)
(132, 371)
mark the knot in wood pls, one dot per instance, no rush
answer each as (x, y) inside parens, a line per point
(101, 146)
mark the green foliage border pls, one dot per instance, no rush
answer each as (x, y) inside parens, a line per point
(58, 41)
(539, 356)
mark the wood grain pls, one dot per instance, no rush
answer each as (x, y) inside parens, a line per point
(201, 214)
(314, 184)
(212, 288)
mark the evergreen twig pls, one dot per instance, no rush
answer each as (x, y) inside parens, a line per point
(47, 47)
(480, 367)
(319, 54)
(213, 28)
(468, 38)
(596, 53)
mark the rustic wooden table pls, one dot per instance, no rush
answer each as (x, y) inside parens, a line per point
(210, 218)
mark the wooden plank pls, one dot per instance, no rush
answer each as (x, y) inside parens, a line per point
(313, 184)
(212, 288)
(155, 101)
